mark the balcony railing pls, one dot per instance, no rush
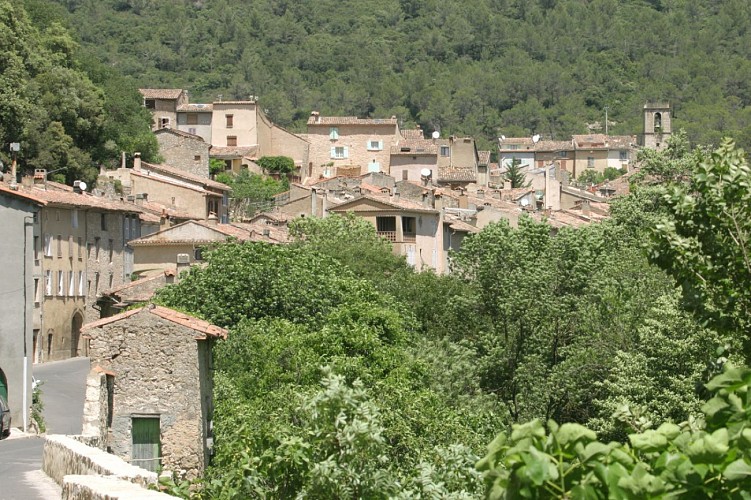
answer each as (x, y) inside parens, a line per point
(389, 235)
(409, 238)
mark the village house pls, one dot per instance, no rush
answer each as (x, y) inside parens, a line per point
(196, 196)
(79, 249)
(140, 291)
(415, 230)
(150, 395)
(187, 152)
(349, 146)
(239, 132)
(596, 152)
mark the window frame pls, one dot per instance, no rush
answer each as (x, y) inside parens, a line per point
(333, 133)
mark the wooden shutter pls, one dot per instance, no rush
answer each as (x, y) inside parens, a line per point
(146, 443)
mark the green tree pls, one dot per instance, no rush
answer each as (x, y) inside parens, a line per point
(515, 175)
(277, 164)
(251, 193)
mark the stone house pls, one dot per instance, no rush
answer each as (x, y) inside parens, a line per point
(415, 230)
(347, 145)
(19, 224)
(599, 151)
(163, 104)
(187, 152)
(150, 398)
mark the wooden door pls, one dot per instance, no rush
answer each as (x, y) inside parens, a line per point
(147, 443)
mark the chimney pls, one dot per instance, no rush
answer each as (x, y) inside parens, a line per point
(438, 202)
(183, 263)
(140, 198)
(463, 200)
(40, 176)
(137, 162)
(313, 203)
(585, 208)
(396, 195)
(77, 187)
(213, 220)
(123, 163)
(481, 193)
(164, 222)
(169, 276)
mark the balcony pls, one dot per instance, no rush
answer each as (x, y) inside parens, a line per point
(389, 235)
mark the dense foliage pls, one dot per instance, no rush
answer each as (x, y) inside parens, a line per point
(69, 113)
(478, 67)
(251, 193)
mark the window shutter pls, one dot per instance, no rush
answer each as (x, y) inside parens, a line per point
(346, 152)
(380, 145)
(333, 152)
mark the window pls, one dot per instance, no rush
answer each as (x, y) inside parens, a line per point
(375, 145)
(71, 284)
(36, 290)
(60, 283)
(59, 246)
(340, 152)
(192, 130)
(333, 133)
(149, 103)
(386, 228)
(198, 254)
(111, 250)
(104, 221)
(623, 155)
(590, 162)
(163, 122)
(36, 250)
(48, 245)
(562, 154)
(74, 219)
(230, 120)
(96, 248)
(409, 229)
(192, 118)
(80, 283)
(70, 247)
(445, 151)
(80, 248)
(197, 158)
(48, 282)
(231, 140)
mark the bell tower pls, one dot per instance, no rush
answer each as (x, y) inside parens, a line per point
(658, 125)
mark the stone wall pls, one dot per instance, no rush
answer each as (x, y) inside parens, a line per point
(95, 408)
(64, 455)
(106, 488)
(189, 154)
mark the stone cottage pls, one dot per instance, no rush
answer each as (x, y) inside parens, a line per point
(149, 398)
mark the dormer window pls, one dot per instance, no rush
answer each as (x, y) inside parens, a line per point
(333, 133)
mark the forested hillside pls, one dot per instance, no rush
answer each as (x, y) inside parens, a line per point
(478, 67)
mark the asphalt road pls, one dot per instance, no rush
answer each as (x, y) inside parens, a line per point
(63, 392)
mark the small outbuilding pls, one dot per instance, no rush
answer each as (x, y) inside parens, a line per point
(149, 398)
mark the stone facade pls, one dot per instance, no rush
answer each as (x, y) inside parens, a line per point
(184, 151)
(161, 365)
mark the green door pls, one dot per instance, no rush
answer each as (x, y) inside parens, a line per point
(146, 443)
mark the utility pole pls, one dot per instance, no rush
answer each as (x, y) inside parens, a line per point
(606, 120)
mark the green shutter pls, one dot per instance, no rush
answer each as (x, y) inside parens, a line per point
(147, 443)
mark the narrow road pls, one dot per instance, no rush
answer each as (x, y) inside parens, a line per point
(63, 392)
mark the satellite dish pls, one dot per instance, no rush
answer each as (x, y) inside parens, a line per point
(524, 202)
(503, 137)
(426, 172)
(436, 134)
(536, 138)
(82, 185)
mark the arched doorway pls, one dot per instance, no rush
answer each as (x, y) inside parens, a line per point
(75, 333)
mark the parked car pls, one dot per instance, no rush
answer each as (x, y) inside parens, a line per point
(4, 418)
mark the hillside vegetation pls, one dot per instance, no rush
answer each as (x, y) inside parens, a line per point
(476, 67)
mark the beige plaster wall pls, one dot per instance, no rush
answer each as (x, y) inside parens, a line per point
(244, 124)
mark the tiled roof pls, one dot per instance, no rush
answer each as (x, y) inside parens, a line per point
(155, 209)
(160, 93)
(60, 194)
(258, 230)
(483, 157)
(21, 194)
(413, 133)
(232, 151)
(415, 147)
(398, 203)
(349, 120)
(553, 146)
(457, 174)
(234, 103)
(161, 237)
(196, 108)
(526, 141)
(199, 325)
(176, 172)
(461, 226)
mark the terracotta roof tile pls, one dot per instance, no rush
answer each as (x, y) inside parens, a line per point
(176, 172)
(181, 133)
(457, 174)
(199, 325)
(233, 151)
(196, 108)
(161, 93)
(483, 157)
(349, 120)
(413, 133)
